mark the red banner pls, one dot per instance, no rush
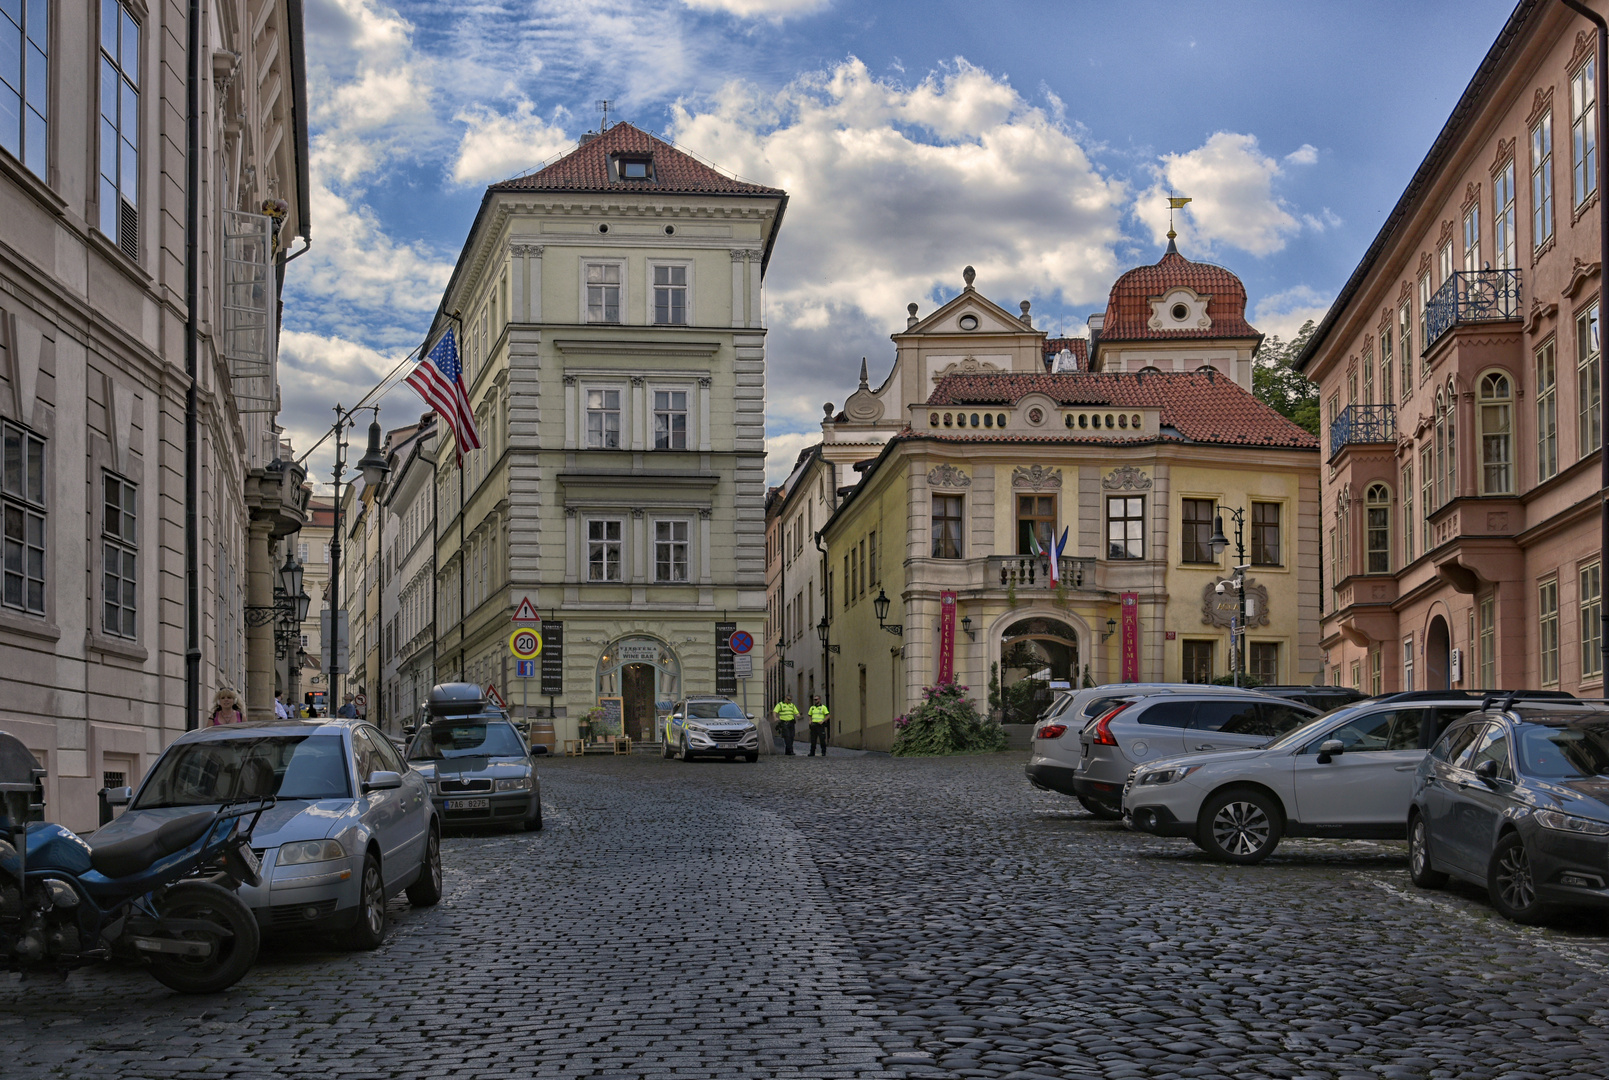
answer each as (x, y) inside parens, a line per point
(946, 638)
(1131, 637)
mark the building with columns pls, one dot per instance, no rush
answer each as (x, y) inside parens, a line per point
(611, 320)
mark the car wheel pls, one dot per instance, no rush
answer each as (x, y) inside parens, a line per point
(426, 889)
(687, 753)
(369, 930)
(534, 822)
(1240, 826)
(1510, 883)
(1419, 869)
(665, 749)
(1103, 811)
(752, 756)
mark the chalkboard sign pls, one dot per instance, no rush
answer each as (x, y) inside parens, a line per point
(725, 676)
(613, 720)
(553, 659)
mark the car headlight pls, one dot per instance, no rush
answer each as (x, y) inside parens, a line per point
(521, 784)
(1552, 819)
(1168, 776)
(310, 851)
(700, 728)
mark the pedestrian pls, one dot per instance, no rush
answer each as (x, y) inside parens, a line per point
(281, 711)
(819, 718)
(348, 708)
(786, 712)
(226, 708)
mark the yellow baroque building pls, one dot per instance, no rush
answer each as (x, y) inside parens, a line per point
(990, 451)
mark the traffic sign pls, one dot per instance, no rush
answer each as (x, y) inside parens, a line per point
(526, 612)
(525, 644)
(525, 669)
(741, 641)
(743, 666)
(491, 692)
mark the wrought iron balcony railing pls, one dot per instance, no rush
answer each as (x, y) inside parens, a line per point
(1472, 296)
(1363, 424)
(1031, 571)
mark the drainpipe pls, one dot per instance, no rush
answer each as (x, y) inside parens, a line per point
(192, 303)
(1603, 300)
(826, 660)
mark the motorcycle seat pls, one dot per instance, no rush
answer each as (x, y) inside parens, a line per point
(125, 858)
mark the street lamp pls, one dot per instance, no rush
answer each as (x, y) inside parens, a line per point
(1237, 629)
(880, 607)
(782, 643)
(823, 631)
(1111, 628)
(966, 628)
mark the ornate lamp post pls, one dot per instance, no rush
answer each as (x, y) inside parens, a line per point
(1237, 632)
(880, 606)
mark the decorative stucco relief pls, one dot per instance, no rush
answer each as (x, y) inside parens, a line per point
(948, 476)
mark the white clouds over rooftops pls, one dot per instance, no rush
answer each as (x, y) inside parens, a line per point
(499, 145)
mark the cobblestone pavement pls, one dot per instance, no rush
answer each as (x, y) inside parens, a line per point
(867, 917)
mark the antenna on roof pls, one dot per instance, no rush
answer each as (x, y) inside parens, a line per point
(604, 126)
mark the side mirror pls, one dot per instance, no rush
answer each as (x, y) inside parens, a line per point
(119, 796)
(1487, 770)
(751, 716)
(676, 716)
(382, 780)
(1328, 749)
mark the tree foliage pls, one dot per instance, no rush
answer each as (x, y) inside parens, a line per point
(1280, 386)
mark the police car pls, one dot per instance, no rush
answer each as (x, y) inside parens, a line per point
(710, 727)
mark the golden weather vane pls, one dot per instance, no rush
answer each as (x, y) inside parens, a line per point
(1175, 202)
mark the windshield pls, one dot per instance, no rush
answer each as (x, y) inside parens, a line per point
(442, 741)
(218, 771)
(714, 710)
(1564, 753)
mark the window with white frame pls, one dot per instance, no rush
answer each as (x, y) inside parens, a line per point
(1590, 605)
(670, 552)
(1589, 428)
(25, 83)
(1407, 513)
(1547, 411)
(1388, 380)
(1405, 346)
(22, 497)
(1427, 493)
(1444, 262)
(1548, 610)
(1425, 291)
(119, 556)
(1503, 216)
(670, 295)
(1377, 530)
(1472, 238)
(1584, 129)
(670, 419)
(603, 292)
(1407, 663)
(1496, 415)
(603, 549)
(1367, 364)
(603, 418)
(120, 126)
(1542, 180)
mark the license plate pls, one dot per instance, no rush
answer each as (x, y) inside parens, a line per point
(249, 857)
(468, 804)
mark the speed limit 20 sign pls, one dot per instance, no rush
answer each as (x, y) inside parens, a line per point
(525, 644)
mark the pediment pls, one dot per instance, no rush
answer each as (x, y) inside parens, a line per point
(950, 318)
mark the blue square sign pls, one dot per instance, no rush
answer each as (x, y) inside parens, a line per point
(525, 669)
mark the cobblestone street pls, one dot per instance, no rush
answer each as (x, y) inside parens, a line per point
(866, 917)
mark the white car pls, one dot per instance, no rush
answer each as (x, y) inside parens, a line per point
(1347, 774)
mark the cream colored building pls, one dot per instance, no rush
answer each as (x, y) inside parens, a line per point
(613, 339)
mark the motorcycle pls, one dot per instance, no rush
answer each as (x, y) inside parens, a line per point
(166, 897)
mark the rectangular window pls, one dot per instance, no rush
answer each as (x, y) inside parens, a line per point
(1487, 642)
(1589, 429)
(1387, 370)
(1196, 520)
(1368, 378)
(1427, 493)
(1357, 675)
(1591, 607)
(120, 127)
(1503, 216)
(1036, 520)
(603, 419)
(25, 83)
(1408, 523)
(22, 497)
(603, 549)
(603, 292)
(1376, 671)
(1407, 663)
(1377, 539)
(1547, 412)
(1472, 238)
(670, 551)
(1352, 388)
(1548, 608)
(1264, 662)
(849, 588)
(1426, 290)
(670, 295)
(947, 526)
(1198, 666)
(119, 546)
(1265, 545)
(1444, 262)
(1405, 346)
(871, 556)
(863, 567)
(1542, 181)
(1125, 527)
(670, 420)
(1584, 129)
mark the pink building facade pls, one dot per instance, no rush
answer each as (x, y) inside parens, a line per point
(1461, 381)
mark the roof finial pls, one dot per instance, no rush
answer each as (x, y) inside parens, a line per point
(969, 275)
(863, 373)
(1175, 202)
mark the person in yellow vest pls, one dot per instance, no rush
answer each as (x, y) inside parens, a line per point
(786, 712)
(818, 725)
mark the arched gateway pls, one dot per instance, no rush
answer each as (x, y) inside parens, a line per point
(1035, 652)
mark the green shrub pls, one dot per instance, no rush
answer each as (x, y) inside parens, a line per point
(946, 722)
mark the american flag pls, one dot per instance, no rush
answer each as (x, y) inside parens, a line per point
(438, 378)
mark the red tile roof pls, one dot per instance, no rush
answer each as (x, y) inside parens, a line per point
(1202, 407)
(1128, 309)
(1078, 346)
(587, 168)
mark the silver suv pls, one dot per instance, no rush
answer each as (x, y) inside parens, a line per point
(1158, 724)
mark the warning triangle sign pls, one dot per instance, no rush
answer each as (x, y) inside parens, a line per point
(526, 612)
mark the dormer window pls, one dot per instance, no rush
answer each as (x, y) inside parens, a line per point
(1180, 312)
(634, 168)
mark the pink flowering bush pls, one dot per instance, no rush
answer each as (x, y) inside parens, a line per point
(946, 722)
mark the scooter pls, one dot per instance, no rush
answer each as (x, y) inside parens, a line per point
(166, 898)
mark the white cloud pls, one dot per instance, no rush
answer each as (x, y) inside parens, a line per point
(782, 451)
(1231, 184)
(498, 145)
(355, 265)
(1283, 313)
(757, 9)
(1306, 154)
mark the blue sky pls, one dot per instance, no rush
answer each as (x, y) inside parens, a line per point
(1034, 141)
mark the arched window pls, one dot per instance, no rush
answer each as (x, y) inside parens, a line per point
(1377, 529)
(1496, 413)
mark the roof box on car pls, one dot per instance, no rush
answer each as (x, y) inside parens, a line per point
(457, 699)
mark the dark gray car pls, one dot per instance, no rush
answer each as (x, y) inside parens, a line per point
(480, 770)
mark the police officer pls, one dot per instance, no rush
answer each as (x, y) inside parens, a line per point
(818, 725)
(786, 712)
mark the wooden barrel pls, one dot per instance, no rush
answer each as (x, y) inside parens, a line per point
(542, 735)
